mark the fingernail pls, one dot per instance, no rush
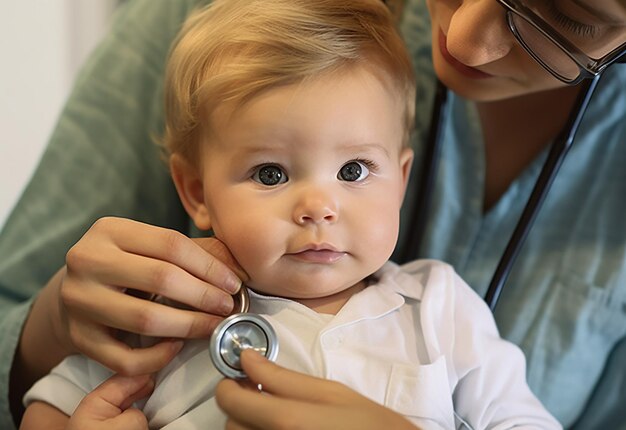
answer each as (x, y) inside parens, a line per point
(252, 355)
(227, 305)
(177, 345)
(233, 285)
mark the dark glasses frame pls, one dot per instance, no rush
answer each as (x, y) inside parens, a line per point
(587, 66)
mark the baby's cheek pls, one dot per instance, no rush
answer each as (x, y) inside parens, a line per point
(250, 244)
(382, 233)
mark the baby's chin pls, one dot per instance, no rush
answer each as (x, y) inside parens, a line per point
(308, 292)
(292, 295)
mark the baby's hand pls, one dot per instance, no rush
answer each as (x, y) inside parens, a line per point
(108, 406)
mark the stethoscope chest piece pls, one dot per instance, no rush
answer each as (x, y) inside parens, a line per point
(236, 333)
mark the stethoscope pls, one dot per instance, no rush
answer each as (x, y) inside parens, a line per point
(556, 155)
(243, 330)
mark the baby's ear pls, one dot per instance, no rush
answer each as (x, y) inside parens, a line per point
(188, 181)
(406, 162)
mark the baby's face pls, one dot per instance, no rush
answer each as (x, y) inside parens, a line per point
(305, 182)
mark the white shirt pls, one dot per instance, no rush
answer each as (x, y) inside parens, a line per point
(418, 341)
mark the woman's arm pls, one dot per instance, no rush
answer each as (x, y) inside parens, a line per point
(101, 161)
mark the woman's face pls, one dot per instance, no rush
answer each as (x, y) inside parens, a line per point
(476, 55)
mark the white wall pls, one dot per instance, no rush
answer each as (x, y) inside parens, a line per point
(42, 44)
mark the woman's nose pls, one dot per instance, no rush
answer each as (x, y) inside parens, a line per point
(316, 206)
(478, 33)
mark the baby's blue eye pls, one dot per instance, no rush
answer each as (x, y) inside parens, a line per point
(353, 171)
(270, 175)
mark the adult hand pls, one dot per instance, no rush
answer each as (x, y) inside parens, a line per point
(294, 400)
(108, 406)
(87, 304)
(119, 255)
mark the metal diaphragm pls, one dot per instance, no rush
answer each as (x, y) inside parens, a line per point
(239, 332)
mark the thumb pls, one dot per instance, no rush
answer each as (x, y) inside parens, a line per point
(107, 405)
(130, 419)
(280, 381)
(122, 391)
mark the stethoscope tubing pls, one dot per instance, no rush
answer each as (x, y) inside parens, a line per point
(428, 174)
(421, 205)
(558, 150)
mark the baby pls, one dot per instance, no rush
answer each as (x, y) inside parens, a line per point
(287, 133)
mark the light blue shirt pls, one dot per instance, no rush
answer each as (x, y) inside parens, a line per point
(564, 303)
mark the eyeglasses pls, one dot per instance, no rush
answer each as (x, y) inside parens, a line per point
(567, 48)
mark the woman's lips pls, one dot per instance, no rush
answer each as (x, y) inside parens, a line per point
(320, 256)
(463, 69)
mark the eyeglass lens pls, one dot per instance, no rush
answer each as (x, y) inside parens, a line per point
(545, 50)
(595, 28)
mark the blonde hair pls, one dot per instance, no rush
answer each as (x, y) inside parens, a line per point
(232, 50)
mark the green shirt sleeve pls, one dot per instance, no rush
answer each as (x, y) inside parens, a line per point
(101, 161)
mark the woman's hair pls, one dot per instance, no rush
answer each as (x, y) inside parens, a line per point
(232, 50)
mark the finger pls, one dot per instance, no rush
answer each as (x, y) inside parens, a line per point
(121, 358)
(112, 397)
(283, 382)
(157, 277)
(329, 405)
(170, 245)
(111, 308)
(234, 425)
(121, 391)
(233, 398)
(252, 409)
(219, 250)
(130, 419)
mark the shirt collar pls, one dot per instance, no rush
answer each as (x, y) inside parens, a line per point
(388, 282)
(393, 278)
